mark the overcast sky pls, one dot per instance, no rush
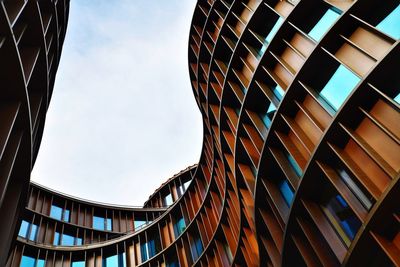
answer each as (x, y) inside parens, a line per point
(122, 118)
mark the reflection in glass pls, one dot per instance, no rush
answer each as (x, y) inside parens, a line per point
(323, 24)
(339, 87)
(391, 24)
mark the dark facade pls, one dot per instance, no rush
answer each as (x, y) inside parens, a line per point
(31, 38)
(300, 164)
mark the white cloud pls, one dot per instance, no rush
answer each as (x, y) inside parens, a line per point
(123, 118)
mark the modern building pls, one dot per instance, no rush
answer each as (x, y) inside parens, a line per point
(300, 164)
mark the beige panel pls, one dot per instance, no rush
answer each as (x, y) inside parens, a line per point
(293, 59)
(301, 43)
(370, 42)
(388, 116)
(355, 59)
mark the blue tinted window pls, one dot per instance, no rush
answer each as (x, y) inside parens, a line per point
(179, 227)
(139, 223)
(56, 240)
(143, 251)
(391, 24)
(397, 98)
(197, 248)
(23, 230)
(267, 117)
(111, 261)
(339, 87)
(40, 263)
(168, 200)
(66, 215)
(78, 241)
(286, 191)
(27, 261)
(67, 240)
(278, 92)
(274, 29)
(98, 223)
(33, 233)
(152, 248)
(323, 24)
(109, 224)
(56, 212)
(78, 264)
(294, 165)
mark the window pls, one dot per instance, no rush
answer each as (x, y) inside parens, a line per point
(67, 240)
(339, 87)
(56, 212)
(151, 245)
(273, 31)
(358, 192)
(196, 248)
(115, 261)
(56, 240)
(23, 230)
(294, 165)
(109, 224)
(33, 233)
(323, 24)
(66, 215)
(27, 261)
(267, 117)
(98, 223)
(143, 252)
(341, 218)
(186, 184)
(78, 264)
(397, 98)
(78, 241)
(391, 24)
(286, 191)
(179, 227)
(168, 200)
(139, 223)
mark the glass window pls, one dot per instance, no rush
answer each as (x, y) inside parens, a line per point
(294, 164)
(341, 218)
(339, 87)
(143, 252)
(139, 223)
(287, 192)
(168, 200)
(391, 24)
(358, 192)
(40, 263)
(78, 241)
(67, 240)
(27, 261)
(273, 31)
(66, 215)
(98, 223)
(111, 261)
(186, 184)
(151, 248)
(179, 227)
(56, 212)
(109, 224)
(397, 98)
(56, 240)
(323, 24)
(23, 230)
(78, 264)
(196, 248)
(33, 233)
(267, 117)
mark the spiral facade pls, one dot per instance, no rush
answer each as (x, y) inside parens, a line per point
(31, 38)
(300, 163)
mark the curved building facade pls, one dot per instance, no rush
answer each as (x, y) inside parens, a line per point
(300, 163)
(31, 38)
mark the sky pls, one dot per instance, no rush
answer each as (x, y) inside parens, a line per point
(122, 118)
